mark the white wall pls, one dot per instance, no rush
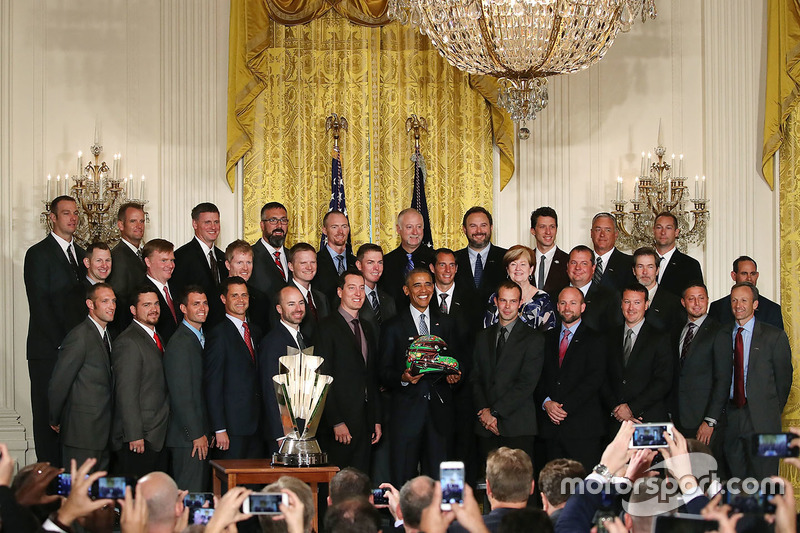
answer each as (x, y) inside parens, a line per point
(153, 75)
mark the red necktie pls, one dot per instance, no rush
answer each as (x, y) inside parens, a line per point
(248, 340)
(158, 342)
(738, 370)
(170, 304)
(311, 306)
(279, 264)
(562, 347)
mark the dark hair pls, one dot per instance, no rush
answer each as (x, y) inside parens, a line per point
(91, 292)
(355, 515)
(96, 245)
(239, 245)
(341, 280)
(552, 476)
(442, 251)
(508, 284)
(418, 270)
(123, 209)
(412, 503)
(299, 247)
(203, 207)
(694, 284)
(272, 205)
(584, 249)
(227, 282)
(741, 259)
(476, 209)
(144, 289)
(190, 289)
(57, 200)
(525, 520)
(366, 248)
(157, 245)
(349, 483)
(333, 212)
(637, 287)
(646, 250)
(543, 212)
(667, 214)
(749, 285)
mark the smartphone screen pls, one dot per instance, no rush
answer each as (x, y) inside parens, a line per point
(200, 516)
(451, 477)
(111, 487)
(264, 503)
(61, 485)
(199, 499)
(650, 436)
(378, 497)
(774, 445)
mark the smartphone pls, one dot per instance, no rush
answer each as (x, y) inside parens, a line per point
(451, 477)
(742, 502)
(378, 497)
(110, 487)
(650, 435)
(774, 445)
(265, 503)
(61, 485)
(684, 523)
(199, 499)
(200, 515)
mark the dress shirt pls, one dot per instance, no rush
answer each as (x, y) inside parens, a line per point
(349, 318)
(636, 329)
(547, 264)
(572, 329)
(303, 290)
(449, 292)
(335, 254)
(747, 339)
(133, 248)
(239, 323)
(100, 329)
(65, 246)
(160, 286)
(292, 331)
(91, 281)
(368, 292)
(473, 257)
(509, 327)
(151, 332)
(698, 323)
(651, 293)
(606, 257)
(206, 249)
(282, 250)
(662, 266)
(415, 316)
(197, 333)
(583, 289)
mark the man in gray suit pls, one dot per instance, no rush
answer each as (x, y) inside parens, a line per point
(142, 405)
(128, 272)
(81, 388)
(760, 378)
(187, 435)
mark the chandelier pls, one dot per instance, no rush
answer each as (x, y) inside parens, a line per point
(521, 42)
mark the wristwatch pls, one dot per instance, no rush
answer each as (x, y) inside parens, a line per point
(603, 471)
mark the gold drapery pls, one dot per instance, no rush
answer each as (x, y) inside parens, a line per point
(285, 79)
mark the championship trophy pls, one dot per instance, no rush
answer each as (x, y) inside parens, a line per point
(301, 393)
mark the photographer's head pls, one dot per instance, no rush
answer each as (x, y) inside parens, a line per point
(164, 504)
(509, 478)
(415, 496)
(355, 515)
(551, 482)
(348, 483)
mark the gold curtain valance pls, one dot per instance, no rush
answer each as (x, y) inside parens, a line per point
(364, 12)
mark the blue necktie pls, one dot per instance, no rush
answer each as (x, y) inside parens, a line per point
(409, 265)
(478, 271)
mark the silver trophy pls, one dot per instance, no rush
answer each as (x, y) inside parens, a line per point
(301, 393)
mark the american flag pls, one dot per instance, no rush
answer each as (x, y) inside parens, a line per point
(418, 199)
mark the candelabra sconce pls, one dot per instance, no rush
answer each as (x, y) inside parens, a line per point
(99, 193)
(658, 189)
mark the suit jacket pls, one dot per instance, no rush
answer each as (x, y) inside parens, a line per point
(230, 378)
(681, 271)
(191, 268)
(308, 327)
(645, 382)
(394, 265)
(353, 395)
(273, 346)
(388, 310)
(769, 374)
(167, 324)
(183, 369)
(618, 273)
(82, 389)
(700, 387)
(767, 311)
(466, 314)
(327, 277)
(506, 384)
(128, 273)
(142, 402)
(266, 277)
(56, 296)
(603, 308)
(409, 401)
(666, 313)
(557, 278)
(493, 272)
(576, 384)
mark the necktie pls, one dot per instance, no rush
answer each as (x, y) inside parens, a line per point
(598, 270)
(279, 264)
(139, 255)
(501, 343)
(311, 306)
(212, 261)
(478, 271)
(72, 261)
(158, 342)
(739, 398)
(357, 333)
(443, 305)
(409, 265)
(627, 346)
(301, 342)
(541, 274)
(562, 347)
(248, 340)
(340, 264)
(662, 266)
(687, 340)
(423, 327)
(170, 304)
(202, 339)
(106, 342)
(376, 305)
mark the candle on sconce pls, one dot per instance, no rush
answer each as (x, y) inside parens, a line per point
(129, 192)
(80, 163)
(680, 166)
(649, 155)
(636, 189)
(47, 197)
(672, 165)
(58, 185)
(669, 189)
(696, 186)
(643, 166)
(703, 187)
(96, 136)
(141, 189)
(619, 188)
(66, 183)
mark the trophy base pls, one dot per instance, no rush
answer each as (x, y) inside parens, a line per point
(296, 452)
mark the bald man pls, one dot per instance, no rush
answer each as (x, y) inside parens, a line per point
(164, 502)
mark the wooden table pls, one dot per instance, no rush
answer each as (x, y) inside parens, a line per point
(260, 472)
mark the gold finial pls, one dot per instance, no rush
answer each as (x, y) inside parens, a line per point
(335, 122)
(416, 123)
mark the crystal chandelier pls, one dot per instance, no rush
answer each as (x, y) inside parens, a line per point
(521, 42)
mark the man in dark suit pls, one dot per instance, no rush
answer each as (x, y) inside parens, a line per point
(409, 255)
(640, 365)
(551, 261)
(508, 359)
(81, 389)
(612, 267)
(230, 377)
(141, 400)
(759, 382)
(270, 261)
(701, 389)
(676, 270)
(480, 263)
(745, 269)
(199, 262)
(664, 310)
(129, 270)
(568, 396)
(97, 263)
(351, 420)
(334, 257)
(160, 260)
(369, 261)
(239, 262)
(421, 420)
(284, 338)
(602, 304)
(187, 434)
(303, 266)
(56, 298)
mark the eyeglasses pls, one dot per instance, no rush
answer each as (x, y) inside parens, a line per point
(276, 220)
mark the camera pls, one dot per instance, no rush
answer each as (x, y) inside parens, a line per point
(650, 435)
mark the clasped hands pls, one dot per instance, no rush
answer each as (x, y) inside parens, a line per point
(488, 421)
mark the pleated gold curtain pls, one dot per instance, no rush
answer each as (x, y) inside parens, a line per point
(293, 63)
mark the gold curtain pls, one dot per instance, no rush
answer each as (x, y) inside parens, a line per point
(285, 79)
